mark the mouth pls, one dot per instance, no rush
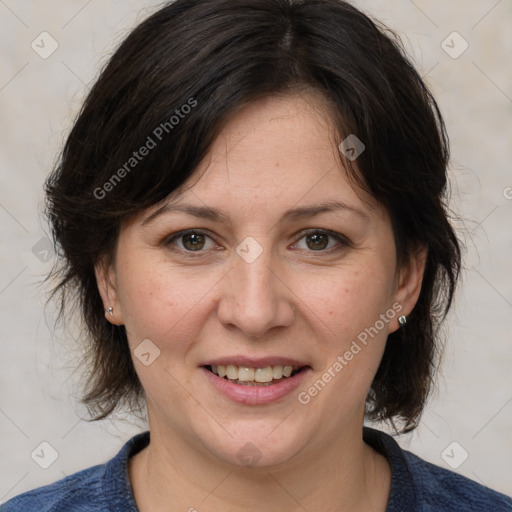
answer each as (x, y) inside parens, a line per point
(255, 380)
(255, 377)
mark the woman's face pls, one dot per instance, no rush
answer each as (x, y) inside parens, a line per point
(284, 265)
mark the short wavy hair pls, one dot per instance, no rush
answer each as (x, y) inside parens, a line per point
(218, 56)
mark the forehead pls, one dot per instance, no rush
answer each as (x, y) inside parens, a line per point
(276, 151)
(275, 162)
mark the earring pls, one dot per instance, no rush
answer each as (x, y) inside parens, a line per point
(110, 311)
(402, 320)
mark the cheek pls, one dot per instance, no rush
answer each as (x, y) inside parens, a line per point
(351, 341)
(347, 301)
(162, 303)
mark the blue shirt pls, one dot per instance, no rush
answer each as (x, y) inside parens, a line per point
(416, 485)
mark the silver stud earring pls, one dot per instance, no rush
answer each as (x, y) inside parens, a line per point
(402, 320)
(109, 311)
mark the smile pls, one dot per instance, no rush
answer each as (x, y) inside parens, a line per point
(246, 376)
(255, 386)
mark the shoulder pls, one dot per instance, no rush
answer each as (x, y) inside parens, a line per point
(419, 486)
(79, 491)
(101, 488)
(440, 489)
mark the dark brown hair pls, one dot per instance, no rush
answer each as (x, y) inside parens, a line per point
(215, 56)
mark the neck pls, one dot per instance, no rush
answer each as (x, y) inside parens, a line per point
(345, 476)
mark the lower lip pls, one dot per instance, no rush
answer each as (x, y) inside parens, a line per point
(255, 395)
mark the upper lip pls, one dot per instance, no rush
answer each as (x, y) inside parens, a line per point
(260, 362)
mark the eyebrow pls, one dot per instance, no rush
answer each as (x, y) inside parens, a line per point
(291, 215)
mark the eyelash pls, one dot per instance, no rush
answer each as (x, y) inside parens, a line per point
(343, 242)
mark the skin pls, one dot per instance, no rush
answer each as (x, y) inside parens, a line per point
(295, 300)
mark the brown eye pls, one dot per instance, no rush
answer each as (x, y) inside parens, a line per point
(317, 241)
(191, 241)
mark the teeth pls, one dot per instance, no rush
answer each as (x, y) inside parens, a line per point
(287, 371)
(246, 374)
(264, 374)
(277, 371)
(231, 371)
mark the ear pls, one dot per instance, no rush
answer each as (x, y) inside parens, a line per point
(106, 280)
(409, 279)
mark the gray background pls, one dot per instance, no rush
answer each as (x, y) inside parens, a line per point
(39, 98)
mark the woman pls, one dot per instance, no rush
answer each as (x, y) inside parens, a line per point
(251, 214)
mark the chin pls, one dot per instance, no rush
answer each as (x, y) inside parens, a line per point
(256, 447)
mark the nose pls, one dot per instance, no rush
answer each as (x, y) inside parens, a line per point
(255, 297)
